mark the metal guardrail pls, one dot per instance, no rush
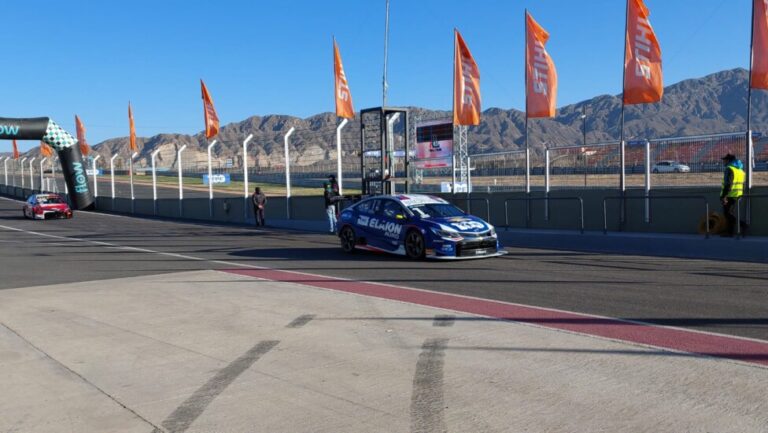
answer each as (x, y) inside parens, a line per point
(469, 201)
(528, 214)
(648, 198)
(738, 210)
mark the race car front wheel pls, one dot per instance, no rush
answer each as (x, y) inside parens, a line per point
(414, 244)
(348, 240)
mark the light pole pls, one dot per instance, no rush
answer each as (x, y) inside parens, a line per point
(210, 180)
(584, 139)
(287, 173)
(31, 174)
(95, 176)
(181, 181)
(112, 177)
(245, 177)
(5, 169)
(42, 160)
(338, 155)
(130, 169)
(154, 182)
(21, 163)
(53, 175)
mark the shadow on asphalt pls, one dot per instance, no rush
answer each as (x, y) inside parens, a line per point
(665, 321)
(319, 253)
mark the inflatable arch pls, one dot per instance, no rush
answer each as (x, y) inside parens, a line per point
(45, 129)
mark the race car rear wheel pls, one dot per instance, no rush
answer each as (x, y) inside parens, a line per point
(414, 244)
(348, 239)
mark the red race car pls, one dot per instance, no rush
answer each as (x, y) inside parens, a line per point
(45, 206)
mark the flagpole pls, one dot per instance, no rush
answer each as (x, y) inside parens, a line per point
(622, 185)
(527, 148)
(623, 85)
(384, 84)
(751, 57)
(453, 165)
(748, 183)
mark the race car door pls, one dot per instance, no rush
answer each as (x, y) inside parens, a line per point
(364, 212)
(386, 227)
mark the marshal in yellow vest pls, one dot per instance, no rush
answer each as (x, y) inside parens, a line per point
(737, 188)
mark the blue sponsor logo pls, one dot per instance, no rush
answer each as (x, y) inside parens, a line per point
(9, 129)
(81, 181)
(217, 178)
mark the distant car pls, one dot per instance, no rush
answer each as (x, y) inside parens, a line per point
(45, 206)
(670, 167)
(416, 226)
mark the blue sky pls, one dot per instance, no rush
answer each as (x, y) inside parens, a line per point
(90, 58)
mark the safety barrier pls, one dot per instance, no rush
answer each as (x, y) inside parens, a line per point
(469, 201)
(738, 210)
(649, 198)
(528, 213)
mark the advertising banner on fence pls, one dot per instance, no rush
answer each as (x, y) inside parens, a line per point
(217, 178)
(434, 144)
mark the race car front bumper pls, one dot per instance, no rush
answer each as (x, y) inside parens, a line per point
(468, 248)
(52, 215)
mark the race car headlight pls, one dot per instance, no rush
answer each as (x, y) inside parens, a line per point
(446, 234)
(492, 232)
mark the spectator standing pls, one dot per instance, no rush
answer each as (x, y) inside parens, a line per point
(330, 197)
(733, 188)
(259, 200)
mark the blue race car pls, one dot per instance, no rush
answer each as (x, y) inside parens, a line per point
(417, 226)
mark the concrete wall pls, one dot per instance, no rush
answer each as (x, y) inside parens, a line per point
(677, 210)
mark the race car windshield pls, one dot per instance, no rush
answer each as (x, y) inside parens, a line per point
(49, 200)
(436, 210)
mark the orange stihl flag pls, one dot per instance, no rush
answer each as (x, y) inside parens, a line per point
(759, 72)
(132, 130)
(85, 149)
(15, 150)
(45, 150)
(643, 82)
(211, 119)
(344, 106)
(541, 74)
(466, 84)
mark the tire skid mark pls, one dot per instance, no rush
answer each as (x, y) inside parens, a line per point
(184, 415)
(444, 320)
(301, 321)
(427, 398)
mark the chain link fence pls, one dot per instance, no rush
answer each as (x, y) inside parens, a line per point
(671, 162)
(695, 160)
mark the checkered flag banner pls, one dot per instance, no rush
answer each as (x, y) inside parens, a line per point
(57, 137)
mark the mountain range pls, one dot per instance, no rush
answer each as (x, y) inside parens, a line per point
(712, 104)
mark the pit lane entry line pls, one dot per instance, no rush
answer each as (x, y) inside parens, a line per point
(746, 350)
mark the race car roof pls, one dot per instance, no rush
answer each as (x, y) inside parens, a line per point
(409, 200)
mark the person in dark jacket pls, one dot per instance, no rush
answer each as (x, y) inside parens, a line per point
(259, 200)
(733, 188)
(331, 196)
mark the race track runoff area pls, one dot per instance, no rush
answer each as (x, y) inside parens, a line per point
(117, 324)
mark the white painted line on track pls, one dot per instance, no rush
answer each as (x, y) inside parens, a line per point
(249, 266)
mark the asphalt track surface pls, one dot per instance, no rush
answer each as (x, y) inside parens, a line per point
(721, 297)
